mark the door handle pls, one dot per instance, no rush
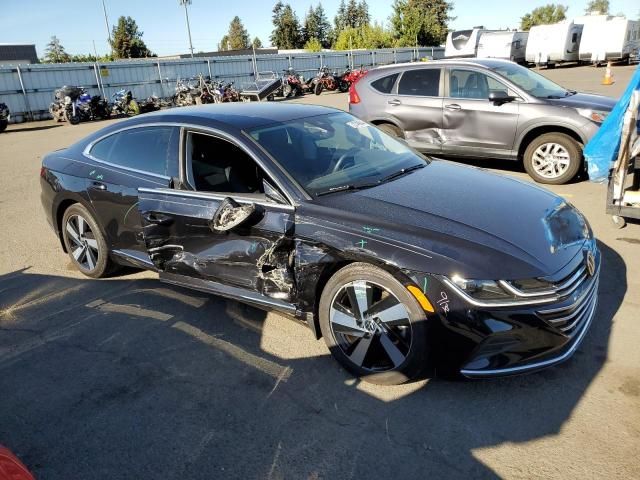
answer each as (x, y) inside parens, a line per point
(98, 186)
(394, 101)
(453, 106)
(157, 218)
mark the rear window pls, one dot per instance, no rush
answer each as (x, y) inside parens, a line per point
(421, 83)
(145, 149)
(385, 84)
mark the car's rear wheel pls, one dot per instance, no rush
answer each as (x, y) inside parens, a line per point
(373, 326)
(84, 242)
(391, 130)
(553, 158)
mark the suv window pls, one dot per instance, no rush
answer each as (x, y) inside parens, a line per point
(385, 84)
(146, 149)
(421, 83)
(473, 84)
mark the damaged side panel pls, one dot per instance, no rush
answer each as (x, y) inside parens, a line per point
(186, 234)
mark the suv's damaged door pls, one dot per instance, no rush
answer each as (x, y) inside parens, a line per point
(239, 242)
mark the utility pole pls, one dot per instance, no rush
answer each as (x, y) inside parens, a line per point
(186, 14)
(106, 22)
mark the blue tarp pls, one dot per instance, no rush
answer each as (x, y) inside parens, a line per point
(602, 150)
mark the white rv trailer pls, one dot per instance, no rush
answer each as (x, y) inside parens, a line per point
(463, 43)
(510, 45)
(610, 38)
(555, 43)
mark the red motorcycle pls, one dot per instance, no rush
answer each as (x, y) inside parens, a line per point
(292, 85)
(324, 79)
(349, 77)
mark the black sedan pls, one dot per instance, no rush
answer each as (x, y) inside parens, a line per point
(406, 266)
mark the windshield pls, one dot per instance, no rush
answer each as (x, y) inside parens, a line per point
(334, 152)
(531, 82)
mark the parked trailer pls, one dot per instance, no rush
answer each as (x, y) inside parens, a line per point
(612, 38)
(509, 45)
(555, 43)
(463, 43)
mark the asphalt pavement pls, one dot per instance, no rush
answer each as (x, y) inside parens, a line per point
(127, 378)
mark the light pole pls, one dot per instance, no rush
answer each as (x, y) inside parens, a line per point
(106, 22)
(186, 14)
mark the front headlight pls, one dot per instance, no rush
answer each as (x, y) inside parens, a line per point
(597, 116)
(480, 289)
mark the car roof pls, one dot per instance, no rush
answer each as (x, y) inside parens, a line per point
(241, 115)
(477, 62)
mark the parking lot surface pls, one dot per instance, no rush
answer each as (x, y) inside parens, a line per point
(129, 378)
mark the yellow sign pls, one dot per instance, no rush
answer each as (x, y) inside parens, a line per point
(104, 72)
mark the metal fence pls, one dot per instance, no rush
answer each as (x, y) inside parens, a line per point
(28, 89)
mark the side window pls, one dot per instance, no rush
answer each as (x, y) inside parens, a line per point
(421, 83)
(385, 84)
(472, 84)
(217, 165)
(574, 38)
(145, 149)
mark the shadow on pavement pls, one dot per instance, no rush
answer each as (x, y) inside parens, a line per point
(134, 379)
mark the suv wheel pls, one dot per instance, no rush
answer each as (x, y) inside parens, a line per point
(84, 242)
(553, 158)
(373, 326)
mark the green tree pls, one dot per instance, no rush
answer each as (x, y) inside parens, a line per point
(286, 27)
(424, 22)
(368, 36)
(313, 45)
(601, 6)
(55, 53)
(224, 44)
(126, 40)
(544, 15)
(238, 36)
(257, 43)
(316, 26)
(80, 58)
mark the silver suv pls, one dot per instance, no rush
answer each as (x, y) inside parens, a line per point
(483, 108)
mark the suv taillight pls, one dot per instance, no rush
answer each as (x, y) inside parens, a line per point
(353, 94)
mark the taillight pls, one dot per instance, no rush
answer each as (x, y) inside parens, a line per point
(353, 94)
(43, 172)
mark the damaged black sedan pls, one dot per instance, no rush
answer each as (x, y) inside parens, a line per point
(405, 265)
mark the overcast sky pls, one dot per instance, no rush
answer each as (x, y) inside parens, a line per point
(79, 22)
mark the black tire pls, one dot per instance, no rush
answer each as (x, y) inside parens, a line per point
(89, 239)
(3, 125)
(572, 148)
(391, 130)
(74, 119)
(377, 364)
(343, 86)
(318, 88)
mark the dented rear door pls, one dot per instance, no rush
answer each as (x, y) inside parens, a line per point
(180, 241)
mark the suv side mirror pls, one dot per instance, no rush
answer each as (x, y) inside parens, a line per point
(500, 97)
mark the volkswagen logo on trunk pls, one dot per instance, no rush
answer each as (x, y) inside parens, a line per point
(590, 262)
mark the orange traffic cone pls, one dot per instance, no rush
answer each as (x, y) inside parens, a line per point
(608, 76)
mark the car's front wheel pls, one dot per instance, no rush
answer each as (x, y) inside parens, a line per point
(373, 326)
(553, 158)
(84, 242)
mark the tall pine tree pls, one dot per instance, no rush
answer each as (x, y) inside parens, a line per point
(127, 40)
(55, 53)
(238, 37)
(421, 21)
(286, 27)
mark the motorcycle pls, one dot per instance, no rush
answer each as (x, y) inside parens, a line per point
(124, 103)
(324, 79)
(349, 77)
(292, 84)
(5, 116)
(75, 105)
(186, 94)
(207, 91)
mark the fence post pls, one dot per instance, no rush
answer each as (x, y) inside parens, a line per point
(24, 92)
(373, 58)
(320, 61)
(395, 57)
(95, 71)
(209, 68)
(290, 64)
(160, 77)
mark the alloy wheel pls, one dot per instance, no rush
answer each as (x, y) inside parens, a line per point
(551, 160)
(371, 326)
(83, 243)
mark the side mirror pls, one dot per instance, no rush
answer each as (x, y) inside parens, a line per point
(230, 214)
(501, 97)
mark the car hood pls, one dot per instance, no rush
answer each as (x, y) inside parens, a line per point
(462, 220)
(585, 100)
